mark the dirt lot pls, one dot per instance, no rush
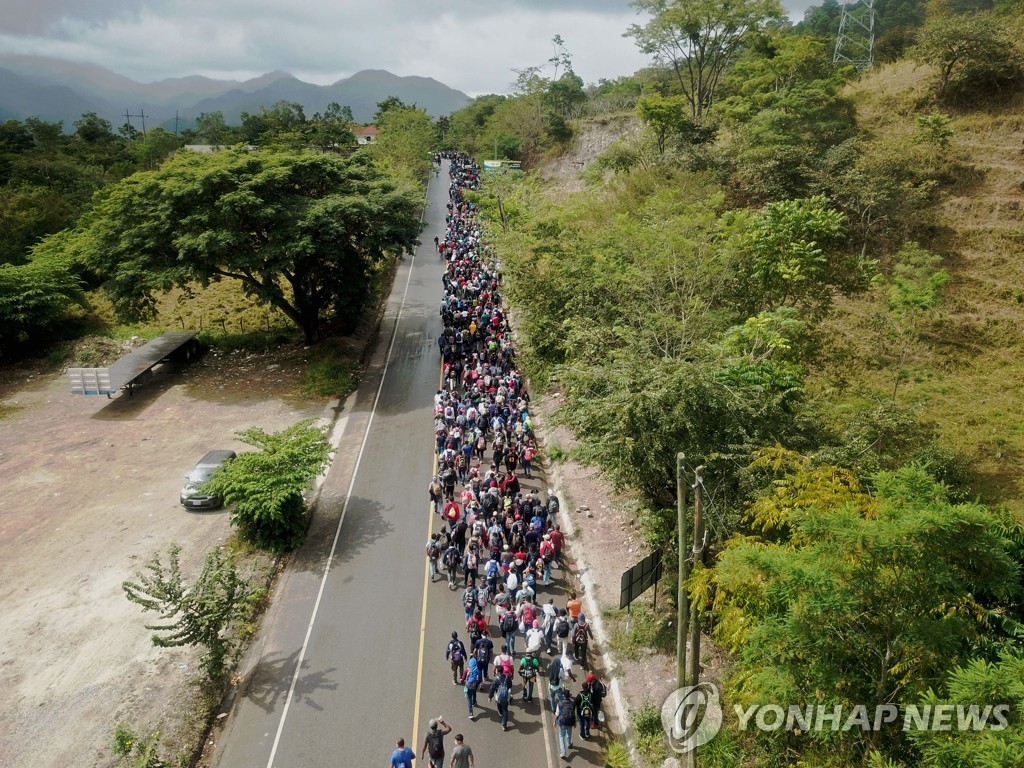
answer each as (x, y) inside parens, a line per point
(89, 494)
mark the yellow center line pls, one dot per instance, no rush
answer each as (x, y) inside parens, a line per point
(414, 739)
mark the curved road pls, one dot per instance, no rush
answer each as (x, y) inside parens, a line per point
(351, 653)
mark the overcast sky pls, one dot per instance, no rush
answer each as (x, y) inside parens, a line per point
(471, 45)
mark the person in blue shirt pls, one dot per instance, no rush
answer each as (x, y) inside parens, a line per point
(402, 757)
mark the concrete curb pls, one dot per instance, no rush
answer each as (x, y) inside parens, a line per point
(607, 658)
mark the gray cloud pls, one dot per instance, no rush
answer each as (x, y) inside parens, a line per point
(467, 44)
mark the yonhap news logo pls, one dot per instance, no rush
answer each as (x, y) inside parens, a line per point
(692, 716)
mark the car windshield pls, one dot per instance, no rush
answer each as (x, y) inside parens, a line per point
(200, 475)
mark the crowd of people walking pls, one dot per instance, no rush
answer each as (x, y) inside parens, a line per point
(500, 544)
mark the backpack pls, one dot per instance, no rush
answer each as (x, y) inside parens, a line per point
(435, 744)
(492, 568)
(586, 710)
(508, 622)
(469, 598)
(503, 691)
(474, 631)
(528, 616)
(566, 714)
(433, 549)
(579, 637)
(456, 653)
(555, 674)
(471, 560)
(472, 679)
(562, 627)
(529, 668)
(451, 557)
(506, 666)
(481, 654)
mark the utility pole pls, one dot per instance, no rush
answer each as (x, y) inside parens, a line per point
(682, 601)
(693, 673)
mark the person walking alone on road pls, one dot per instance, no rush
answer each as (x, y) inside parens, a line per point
(402, 757)
(433, 742)
(434, 555)
(462, 755)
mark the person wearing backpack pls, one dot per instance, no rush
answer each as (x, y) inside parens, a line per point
(597, 694)
(561, 632)
(434, 555)
(471, 679)
(451, 563)
(469, 598)
(456, 654)
(558, 670)
(482, 650)
(529, 668)
(565, 718)
(581, 636)
(433, 743)
(503, 662)
(471, 565)
(507, 625)
(501, 692)
(584, 704)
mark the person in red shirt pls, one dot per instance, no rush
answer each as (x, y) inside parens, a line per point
(557, 541)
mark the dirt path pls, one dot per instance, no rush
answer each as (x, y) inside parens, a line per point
(89, 494)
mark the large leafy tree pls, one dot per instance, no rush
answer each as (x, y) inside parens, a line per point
(300, 231)
(867, 599)
(699, 39)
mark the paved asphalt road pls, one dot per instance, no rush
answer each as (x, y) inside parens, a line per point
(365, 675)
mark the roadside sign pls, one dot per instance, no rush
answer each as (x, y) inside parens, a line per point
(640, 578)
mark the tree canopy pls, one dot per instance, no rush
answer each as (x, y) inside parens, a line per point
(299, 230)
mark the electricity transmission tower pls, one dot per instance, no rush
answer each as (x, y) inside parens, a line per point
(855, 43)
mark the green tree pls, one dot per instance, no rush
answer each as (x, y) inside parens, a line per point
(699, 39)
(391, 102)
(266, 485)
(790, 254)
(211, 129)
(406, 142)
(979, 683)
(974, 54)
(300, 231)
(668, 118)
(202, 613)
(36, 297)
(868, 602)
(914, 293)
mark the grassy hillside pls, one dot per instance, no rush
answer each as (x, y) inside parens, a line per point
(965, 376)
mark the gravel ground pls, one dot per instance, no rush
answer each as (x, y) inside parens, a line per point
(90, 493)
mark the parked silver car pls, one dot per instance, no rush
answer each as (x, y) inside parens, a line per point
(191, 496)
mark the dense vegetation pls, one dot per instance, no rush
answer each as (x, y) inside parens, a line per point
(294, 213)
(761, 279)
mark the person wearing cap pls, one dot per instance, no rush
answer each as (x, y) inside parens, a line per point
(433, 742)
(402, 757)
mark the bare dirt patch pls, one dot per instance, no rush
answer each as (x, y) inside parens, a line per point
(90, 493)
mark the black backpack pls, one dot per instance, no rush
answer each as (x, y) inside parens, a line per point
(579, 637)
(435, 744)
(508, 622)
(566, 714)
(562, 627)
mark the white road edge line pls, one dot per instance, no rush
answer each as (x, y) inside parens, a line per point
(337, 533)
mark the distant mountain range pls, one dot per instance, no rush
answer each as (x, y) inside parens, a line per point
(55, 89)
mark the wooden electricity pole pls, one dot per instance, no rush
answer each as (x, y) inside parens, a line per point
(682, 601)
(693, 673)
